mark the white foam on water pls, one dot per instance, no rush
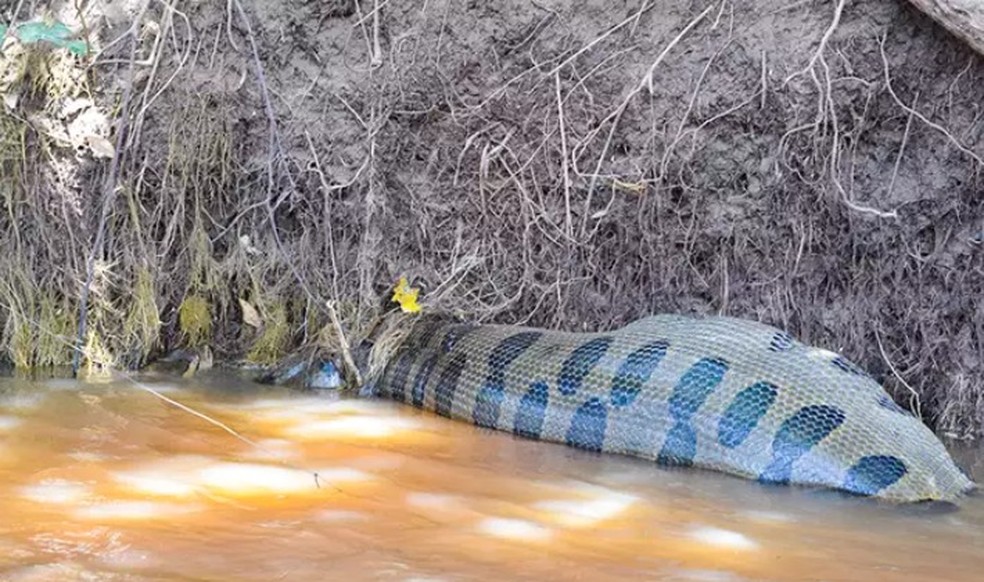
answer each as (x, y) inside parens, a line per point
(768, 516)
(185, 475)
(176, 476)
(9, 422)
(599, 504)
(582, 513)
(261, 408)
(21, 401)
(340, 515)
(514, 529)
(342, 475)
(589, 489)
(695, 575)
(128, 558)
(62, 384)
(382, 462)
(90, 456)
(46, 572)
(370, 427)
(156, 483)
(432, 500)
(287, 407)
(56, 491)
(258, 479)
(722, 538)
(132, 510)
(273, 450)
(293, 410)
(347, 406)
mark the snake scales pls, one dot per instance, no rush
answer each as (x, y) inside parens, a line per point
(718, 393)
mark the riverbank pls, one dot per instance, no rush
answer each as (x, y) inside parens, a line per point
(212, 178)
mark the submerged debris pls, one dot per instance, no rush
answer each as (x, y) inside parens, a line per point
(311, 371)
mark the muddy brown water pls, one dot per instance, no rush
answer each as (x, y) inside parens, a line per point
(101, 481)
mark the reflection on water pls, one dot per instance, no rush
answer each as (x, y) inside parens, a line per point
(105, 482)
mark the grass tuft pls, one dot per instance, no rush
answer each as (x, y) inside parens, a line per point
(195, 321)
(274, 338)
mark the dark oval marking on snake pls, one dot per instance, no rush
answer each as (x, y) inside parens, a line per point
(580, 363)
(873, 473)
(797, 435)
(695, 386)
(447, 384)
(680, 446)
(587, 428)
(689, 394)
(744, 413)
(781, 342)
(885, 401)
(532, 410)
(420, 381)
(635, 371)
(845, 365)
(424, 333)
(488, 401)
(454, 335)
(396, 380)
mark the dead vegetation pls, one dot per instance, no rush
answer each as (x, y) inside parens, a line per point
(817, 166)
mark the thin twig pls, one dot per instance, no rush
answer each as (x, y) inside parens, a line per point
(826, 116)
(564, 164)
(818, 54)
(616, 115)
(765, 80)
(895, 372)
(377, 52)
(920, 116)
(898, 158)
(343, 342)
(228, 26)
(276, 153)
(327, 190)
(361, 22)
(642, 10)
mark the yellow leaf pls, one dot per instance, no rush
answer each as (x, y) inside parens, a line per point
(406, 296)
(250, 315)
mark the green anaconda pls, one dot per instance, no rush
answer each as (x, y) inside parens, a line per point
(717, 393)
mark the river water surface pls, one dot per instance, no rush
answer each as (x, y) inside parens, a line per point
(103, 481)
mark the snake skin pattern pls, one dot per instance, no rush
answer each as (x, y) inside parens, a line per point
(718, 393)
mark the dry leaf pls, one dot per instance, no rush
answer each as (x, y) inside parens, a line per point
(634, 187)
(250, 315)
(73, 106)
(100, 146)
(247, 245)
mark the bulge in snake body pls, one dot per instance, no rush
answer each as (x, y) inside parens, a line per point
(717, 393)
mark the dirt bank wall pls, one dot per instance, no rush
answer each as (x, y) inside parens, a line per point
(814, 165)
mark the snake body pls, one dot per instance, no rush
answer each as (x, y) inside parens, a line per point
(717, 393)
